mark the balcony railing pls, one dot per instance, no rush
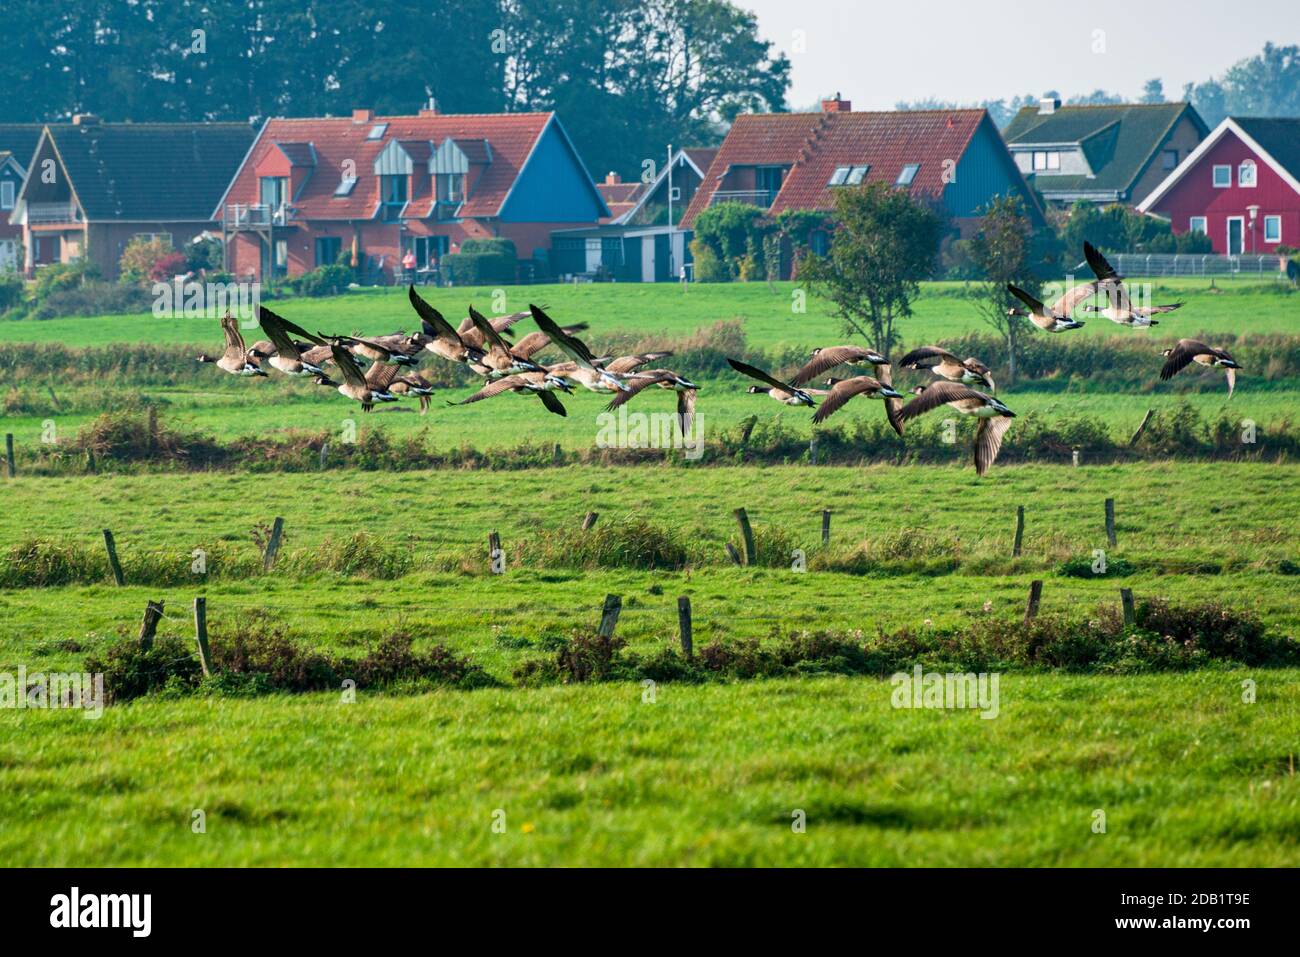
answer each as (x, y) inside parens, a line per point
(255, 216)
(761, 198)
(44, 213)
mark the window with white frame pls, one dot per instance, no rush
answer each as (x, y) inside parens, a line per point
(1222, 177)
(1047, 160)
(1246, 173)
(907, 174)
(7, 194)
(1197, 224)
(1272, 229)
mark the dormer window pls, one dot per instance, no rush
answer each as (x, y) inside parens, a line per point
(1047, 160)
(907, 174)
(6, 194)
(393, 196)
(1246, 174)
(451, 187)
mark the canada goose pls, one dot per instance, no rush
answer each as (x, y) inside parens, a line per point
(499, 360)
(587, 369)
(1119, 309)
(287, 358)
(535, 342)
(941, 362)
(366, 389)
(994, 417)
(823, 360)
(438, 336)
(844, 389)
(384, 349)
(1191, 350)
(783, 393)
(236, 359)
(413, 384)
(624, 365)
(662, 379)
(1056, 319)
(893, 406)
(473, 335)
(540, 384)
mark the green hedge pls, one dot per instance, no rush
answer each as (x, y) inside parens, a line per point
(480, 268)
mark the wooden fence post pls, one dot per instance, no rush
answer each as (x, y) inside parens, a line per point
(684, 625)
(589, 520)
(732, 553)
(273, 544)
(201, 634)
(9, 453)
(153, 611)
(1020, 531)
(494, 550)
(1110, 521)
(812, 449)
(747, 533)
(111, 547)
(609, 615)
(324, 454)
(1035, 596)
(1130, 613)
(1141, 428)
(826, 526)
(1074, 457)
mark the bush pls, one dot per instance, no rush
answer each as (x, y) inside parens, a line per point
(479, 269)
(92, 298)
(329, 280)
(131, 671)
(61, 277)
(708, 267)
(11, 291)
(142, 259)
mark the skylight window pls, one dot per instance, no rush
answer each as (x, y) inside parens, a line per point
(907, 174)
(344, 188)
(377, 131)
(839, 176)
(857, 175)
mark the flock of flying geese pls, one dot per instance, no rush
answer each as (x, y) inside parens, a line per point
(485, 346)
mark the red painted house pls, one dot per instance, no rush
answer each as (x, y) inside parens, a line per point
(313, 190)
(1241, 187)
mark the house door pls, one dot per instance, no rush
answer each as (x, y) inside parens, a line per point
(1235, 226)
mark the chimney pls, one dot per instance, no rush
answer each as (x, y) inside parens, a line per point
(85, 119)
(612, 178)
(363, 116)
(1048, 105)
(430, 108)
(836, 105)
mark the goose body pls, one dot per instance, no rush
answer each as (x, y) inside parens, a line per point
(1057, 318)
(236, 359)
(941, 362)
(1119, 310)
(437, 335)
(782, 392)
(587, 370)
(287, 357)
(366, 389)
(842, 390)
(541, 384)
(995, 418)
(823, 360)
(498, 360)
(662, 379)
(1188, 351)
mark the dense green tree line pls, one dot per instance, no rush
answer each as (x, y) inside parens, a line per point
(628, 77)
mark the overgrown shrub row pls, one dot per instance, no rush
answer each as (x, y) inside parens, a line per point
(256, 658)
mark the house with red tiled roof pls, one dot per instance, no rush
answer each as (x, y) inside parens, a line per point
(370, 189)
(954, 160)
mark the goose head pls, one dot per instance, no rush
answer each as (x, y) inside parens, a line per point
(888, 392)
(552, 381)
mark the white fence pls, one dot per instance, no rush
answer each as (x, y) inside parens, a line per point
(1153, 266)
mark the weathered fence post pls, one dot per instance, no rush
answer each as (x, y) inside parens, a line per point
(684, 625)
(1035, 596)
(111, 547)
(1110, 521)
(201, 633)
(1130, 614)
(273, 544)
(1020, 531)
(732, 553)
(812, 449)
(1074, 457)
(153, 611)
(826, 526)
(9, 453)
(324, 454)
(747, 533)
(609, 615)
(495, 553)
(1141, 428)
(589, 520)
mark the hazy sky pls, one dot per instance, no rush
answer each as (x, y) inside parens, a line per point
(879, 52)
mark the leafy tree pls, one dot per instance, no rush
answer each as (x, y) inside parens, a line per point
(1153, 92)
(1003, 252)
(883, 245)
(733, 231)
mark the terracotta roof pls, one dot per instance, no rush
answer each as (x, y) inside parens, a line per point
(151, 171)
(298, 154)
(814, 145)
(338, 140)
(701, 156)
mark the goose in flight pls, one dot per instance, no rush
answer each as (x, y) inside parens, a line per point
(540, 384)
(842, 390)
(288, 358)
(1057, 318)
(995, 418)
(498, 360)
(1191, 350)
(780, 391)
(1119, 309)
(367, 389)
(823, 360)
(662, 379)
(437, 335)
(941, 362)
(384, 349)
(236, 359)
(587, 369)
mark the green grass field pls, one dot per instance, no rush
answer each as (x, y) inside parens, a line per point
(1186, 772)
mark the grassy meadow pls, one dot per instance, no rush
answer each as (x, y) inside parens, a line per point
(612, 772)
